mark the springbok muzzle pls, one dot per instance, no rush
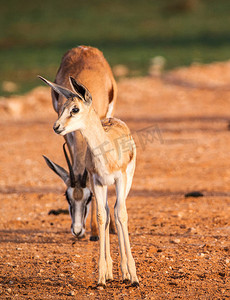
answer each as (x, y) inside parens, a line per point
(57, 128)
(77, 231)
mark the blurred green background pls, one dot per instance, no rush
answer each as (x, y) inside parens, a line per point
(35, 34)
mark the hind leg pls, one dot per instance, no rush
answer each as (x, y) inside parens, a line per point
(122, 188)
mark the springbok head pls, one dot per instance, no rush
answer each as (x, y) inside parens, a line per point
(74, 111)
(77, 194)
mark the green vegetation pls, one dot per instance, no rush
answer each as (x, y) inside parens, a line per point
(35, 34)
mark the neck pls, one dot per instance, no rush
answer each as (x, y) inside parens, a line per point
(97, 140)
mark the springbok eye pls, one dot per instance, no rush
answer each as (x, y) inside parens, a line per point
(75, 110)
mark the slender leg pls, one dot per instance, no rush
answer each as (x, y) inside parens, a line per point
(109, 262)
(121, 212)
(124, 269)
(100, 193)
(94, 231)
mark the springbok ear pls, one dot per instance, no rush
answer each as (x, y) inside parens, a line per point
(58, 170)
(59, 89)
(82, 91)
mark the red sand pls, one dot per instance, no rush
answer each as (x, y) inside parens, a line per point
(180, 245)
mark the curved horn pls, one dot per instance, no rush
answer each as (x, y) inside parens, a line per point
(71, 173)
(84, 178)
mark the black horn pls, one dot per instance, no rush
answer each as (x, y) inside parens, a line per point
(84, 178)
(71, 173)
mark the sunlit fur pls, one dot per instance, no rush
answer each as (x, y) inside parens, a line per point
(115, 166)
(88, 66)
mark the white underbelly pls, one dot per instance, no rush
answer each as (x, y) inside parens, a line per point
(106, 179)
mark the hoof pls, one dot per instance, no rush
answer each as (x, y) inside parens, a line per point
(126, 281)
(94, 238)
(101, 286)
(135, 284)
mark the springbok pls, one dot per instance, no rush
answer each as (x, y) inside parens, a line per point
(110, 159)
(89, 66)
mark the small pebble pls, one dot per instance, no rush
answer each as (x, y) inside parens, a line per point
(71, 293)
(175, 241)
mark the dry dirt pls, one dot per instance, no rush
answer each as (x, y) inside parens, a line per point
(180, 244)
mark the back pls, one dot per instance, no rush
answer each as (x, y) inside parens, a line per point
(89, 67)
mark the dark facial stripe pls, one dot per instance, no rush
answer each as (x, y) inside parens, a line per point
(67, 198)
(89, 199)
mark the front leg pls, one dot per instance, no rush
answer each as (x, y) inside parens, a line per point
(94, 231)
(100, 193)
(109, 262)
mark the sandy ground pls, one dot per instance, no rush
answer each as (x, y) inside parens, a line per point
(180, 244)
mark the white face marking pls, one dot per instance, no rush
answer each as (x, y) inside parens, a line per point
(74, 124)
(78, 209)
(69, 120)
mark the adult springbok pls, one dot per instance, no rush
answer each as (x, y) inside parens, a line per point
(110, 159)
(89, 66)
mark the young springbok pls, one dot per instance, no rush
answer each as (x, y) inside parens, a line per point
(110, 159)
(89, 66)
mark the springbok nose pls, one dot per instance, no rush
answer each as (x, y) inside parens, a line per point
(56, 127)
(78, 232)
